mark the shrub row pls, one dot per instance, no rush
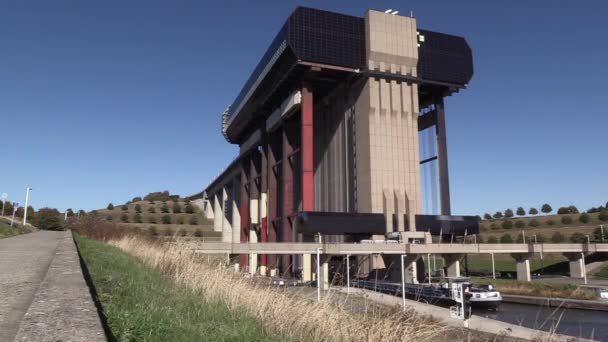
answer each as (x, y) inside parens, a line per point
(165, 219)
(176, 208)
(509, 224)
(169, 232)
(557, 237)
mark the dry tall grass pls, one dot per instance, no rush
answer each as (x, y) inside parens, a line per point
(286, 315)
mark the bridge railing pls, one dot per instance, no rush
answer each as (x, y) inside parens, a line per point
(397, 248)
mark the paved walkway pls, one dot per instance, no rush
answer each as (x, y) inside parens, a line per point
(24, 261)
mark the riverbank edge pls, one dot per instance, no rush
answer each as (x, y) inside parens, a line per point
(581, 304)
(477, 323)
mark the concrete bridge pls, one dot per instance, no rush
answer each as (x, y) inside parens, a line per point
(451, 252)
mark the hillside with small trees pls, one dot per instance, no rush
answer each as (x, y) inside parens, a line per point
(160, 214)
(567, 224)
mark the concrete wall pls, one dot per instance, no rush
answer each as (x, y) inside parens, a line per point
(386, 124)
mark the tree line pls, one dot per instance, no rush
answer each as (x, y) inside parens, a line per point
(556, 237)
(546, 209)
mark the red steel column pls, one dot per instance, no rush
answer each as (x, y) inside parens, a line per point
(244, 210)
(288, 200)
(264, 196)
(306, 148)
(254, 196)
(273, 198)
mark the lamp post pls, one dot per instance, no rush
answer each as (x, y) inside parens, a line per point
(15, 207)
(319, 274)
(428, 259)
(493, 267)
(27, 196)
(4, 197)
(584, 268)
(348, 273)
(403, 281)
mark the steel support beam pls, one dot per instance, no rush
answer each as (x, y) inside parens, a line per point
(254, 206)
(264, 201)
(442, 155)
(244, 210)
(273, 170)
(307, 148)
(287, 185)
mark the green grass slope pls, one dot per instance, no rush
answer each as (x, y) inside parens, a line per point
(7, 231)
(547, 226)
(140, 304)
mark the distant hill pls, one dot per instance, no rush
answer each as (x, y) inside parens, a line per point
(182, 218)
(543, 226)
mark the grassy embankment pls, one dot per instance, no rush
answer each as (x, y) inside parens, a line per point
(544, 227)
(538, 289)
(603, 273)
(502, 262)
(140, 304)
(7, 231)
(283, 314)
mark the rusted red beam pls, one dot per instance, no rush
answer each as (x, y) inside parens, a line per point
(288, 194)
(307, 148)
(264, 190)
(273, 172)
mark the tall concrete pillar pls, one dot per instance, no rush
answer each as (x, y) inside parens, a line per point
(253, 257)
(411, 269)
(325, 272)
(236, 214)
(206, 205)
(217, 213)
(410, 265)
(522, 266)
(442, 157)
(452, 263)
(306, 268)
(387, 160)
(226, 227)
(577, 265)
(388, 208)
(244, 212)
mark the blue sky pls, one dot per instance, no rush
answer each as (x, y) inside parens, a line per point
(103, 102)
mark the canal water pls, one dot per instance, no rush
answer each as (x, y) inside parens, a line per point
(579, 323)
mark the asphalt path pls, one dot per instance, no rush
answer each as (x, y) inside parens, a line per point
(24, 261)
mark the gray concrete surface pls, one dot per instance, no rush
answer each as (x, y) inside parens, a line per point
(391, 248)
(62, 309)
(43, 294)
(24, 261)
